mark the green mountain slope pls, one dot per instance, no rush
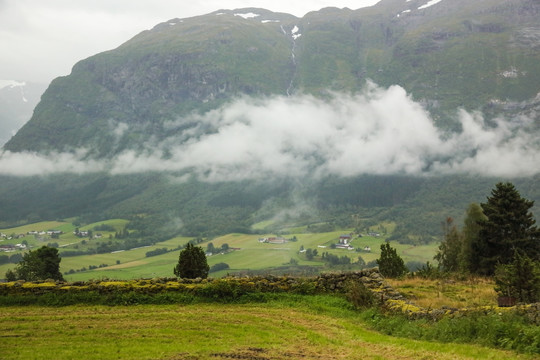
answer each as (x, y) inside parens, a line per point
(482, 54)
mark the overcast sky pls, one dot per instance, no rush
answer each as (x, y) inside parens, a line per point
(43, 39)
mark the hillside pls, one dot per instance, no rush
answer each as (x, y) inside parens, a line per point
(481, 55)
(405, 111)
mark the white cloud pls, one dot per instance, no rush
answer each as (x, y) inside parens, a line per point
(379, 131)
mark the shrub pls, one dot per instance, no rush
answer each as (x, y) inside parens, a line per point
(428, 271)
(156, 252)
(359, 295)
(519, 279)
(219, 266)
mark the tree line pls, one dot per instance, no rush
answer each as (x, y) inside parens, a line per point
(499, 239)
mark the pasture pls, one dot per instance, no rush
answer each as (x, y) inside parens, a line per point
(250, 254)
(303, 327)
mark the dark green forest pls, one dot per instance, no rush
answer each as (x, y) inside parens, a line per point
(159, 207)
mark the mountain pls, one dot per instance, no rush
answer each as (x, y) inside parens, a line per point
(475, 55)
(405, 111)
(17, 102)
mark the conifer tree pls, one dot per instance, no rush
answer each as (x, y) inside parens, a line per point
(509, 226)
(519, 279)
(390, 263)
(450, 248)
(192, 263)
(470, 235)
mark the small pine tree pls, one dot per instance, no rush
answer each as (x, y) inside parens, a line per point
(519, 279)
(390, 263)
(192, 263)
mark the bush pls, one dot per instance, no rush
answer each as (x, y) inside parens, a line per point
(156, 252)
(219, 266)
(520, 279)
(359, 295)
(508, 330)
(428, 271)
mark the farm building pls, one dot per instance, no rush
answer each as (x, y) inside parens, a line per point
(273, 240)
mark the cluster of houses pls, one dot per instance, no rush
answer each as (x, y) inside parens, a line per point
(345, 243)
(35, 233)
(82, 234)
(48, 232)
(11, 248)
(273, 240)
(9, 237)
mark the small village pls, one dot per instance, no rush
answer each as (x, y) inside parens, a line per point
(24, 245)
(344, 241)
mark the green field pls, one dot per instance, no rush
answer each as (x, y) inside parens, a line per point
(249, 253)
(66, 239)
(291, 328)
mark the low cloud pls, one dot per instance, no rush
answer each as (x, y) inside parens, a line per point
(379, 131)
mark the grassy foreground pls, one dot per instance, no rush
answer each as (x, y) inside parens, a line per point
(287, 327)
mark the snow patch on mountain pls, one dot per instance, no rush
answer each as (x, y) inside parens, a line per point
(14, 84)
(295, 35)
(11, 83)
(247, 15)
(429, 3)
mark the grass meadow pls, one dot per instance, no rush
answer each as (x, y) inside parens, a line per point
(435, 293)
(289, 327)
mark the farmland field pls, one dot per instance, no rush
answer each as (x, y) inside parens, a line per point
(291, 328)
(249, 253)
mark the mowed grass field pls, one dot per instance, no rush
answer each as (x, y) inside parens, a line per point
(250, 254)
(304, 328)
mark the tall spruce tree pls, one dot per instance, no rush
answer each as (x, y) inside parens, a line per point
(509, 226)
(192, 263)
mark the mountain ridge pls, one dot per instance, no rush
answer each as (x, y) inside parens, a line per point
(199, 63)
